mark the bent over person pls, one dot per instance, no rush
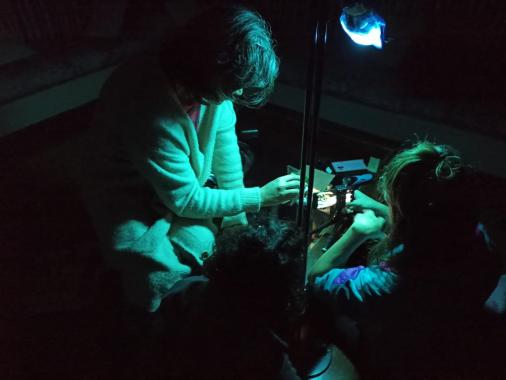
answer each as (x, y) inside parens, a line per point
(165, 122)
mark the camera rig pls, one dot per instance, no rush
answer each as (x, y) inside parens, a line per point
(339, 193)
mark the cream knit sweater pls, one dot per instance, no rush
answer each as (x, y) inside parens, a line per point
(143, 180)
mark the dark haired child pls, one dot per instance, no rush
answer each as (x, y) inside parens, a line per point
(223, 325)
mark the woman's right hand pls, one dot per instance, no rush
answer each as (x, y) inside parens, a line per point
(368, 225)
(281, 190)
(365, 202)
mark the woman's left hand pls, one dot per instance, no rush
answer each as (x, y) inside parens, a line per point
(369, 225)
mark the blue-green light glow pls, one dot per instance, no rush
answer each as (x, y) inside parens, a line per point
(363, 26)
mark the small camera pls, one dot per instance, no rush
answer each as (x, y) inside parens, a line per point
(334, 197)
(340, 179)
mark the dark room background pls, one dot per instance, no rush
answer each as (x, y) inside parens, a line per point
(440, 75)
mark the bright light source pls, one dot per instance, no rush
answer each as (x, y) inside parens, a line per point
(363, 25)
(348, 196)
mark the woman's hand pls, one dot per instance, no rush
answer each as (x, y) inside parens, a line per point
(368, 225)
(365, 202)
(281, 190)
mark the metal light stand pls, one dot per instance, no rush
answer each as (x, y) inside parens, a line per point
(314, 77)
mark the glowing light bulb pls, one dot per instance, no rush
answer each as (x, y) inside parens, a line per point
(363, 25)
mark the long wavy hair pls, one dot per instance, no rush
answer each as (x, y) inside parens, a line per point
(433, 200)
(221, 50)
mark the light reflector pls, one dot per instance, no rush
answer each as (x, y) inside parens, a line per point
(363, 25)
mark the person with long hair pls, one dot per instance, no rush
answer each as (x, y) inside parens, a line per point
(164, 123)
(408, 311)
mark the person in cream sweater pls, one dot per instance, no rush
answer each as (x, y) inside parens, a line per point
(164, 122)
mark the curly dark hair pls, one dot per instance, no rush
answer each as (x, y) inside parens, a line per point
(260, 266)
(221, 50)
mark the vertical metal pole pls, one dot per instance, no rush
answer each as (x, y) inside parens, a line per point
(320, 58)
(308, 105)
(310, 127)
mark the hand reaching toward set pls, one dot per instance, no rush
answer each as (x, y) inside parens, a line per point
(365, 202)
(281, 190)
(368, 225)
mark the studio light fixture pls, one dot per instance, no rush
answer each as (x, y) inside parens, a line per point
(364, 27)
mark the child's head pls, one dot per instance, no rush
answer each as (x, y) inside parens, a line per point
(434, 204)
(224, 53)
(430, 193)
(259, 267)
